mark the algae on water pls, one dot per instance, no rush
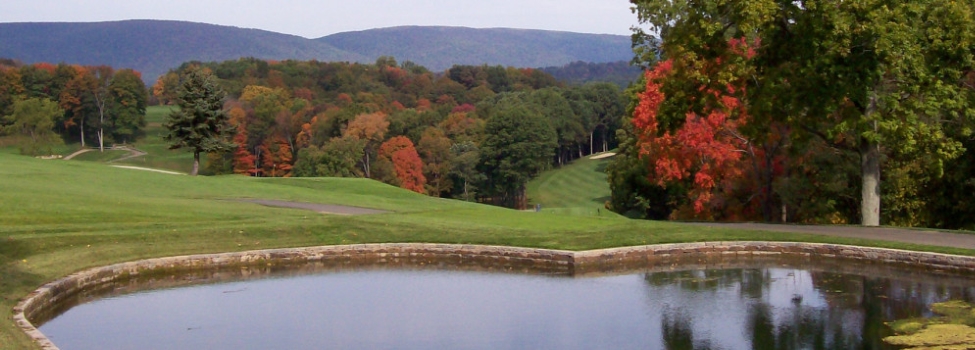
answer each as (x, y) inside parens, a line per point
(952, 330)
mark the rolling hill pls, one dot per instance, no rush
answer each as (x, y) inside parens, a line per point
(153, 47)
(439, 48)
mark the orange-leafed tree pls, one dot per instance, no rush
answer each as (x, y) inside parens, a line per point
(409, 168)
(76, 101)
(164, 89)
(434, 149)
(277, 160)
(243, 159)
(371, 128)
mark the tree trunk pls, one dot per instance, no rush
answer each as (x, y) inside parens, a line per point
(592, 140)
(365, 165)
(101, 123)
(82, 132)
(196, 163)
(605, 140)
(870, 172)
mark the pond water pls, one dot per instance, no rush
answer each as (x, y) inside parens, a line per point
(751, 304)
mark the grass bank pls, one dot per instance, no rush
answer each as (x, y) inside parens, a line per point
(59, 217)
(159, 156)
(579, 188)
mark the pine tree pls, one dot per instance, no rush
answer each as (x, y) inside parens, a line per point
(200, 124)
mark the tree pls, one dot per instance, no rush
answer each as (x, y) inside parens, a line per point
(77, 102)
(371, 128)
(165, 88)
(129, 96)
(465, 157)
(34, 118)
(875, 77)
(704, 150)
(103, 76)
(519, 143)
(434, 148)
(200, 124)
(406, 162)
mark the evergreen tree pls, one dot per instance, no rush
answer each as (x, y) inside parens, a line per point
(200, 124)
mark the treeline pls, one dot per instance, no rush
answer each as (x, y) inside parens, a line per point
(94, 104)
(472, 132)
(621, 73)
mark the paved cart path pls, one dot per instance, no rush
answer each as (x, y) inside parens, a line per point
(903, 235)
(321, 208)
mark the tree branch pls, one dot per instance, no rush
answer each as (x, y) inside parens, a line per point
(822, 136)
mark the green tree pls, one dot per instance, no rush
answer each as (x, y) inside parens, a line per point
(34, 118)
(465, 156)
(129, 96)
(877, 77)
(518, 145)
(200, 124)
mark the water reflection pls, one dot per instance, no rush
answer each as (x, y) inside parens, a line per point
(743, 304)
(775, 308)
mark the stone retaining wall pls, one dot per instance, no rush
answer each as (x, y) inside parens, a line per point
(59, 294)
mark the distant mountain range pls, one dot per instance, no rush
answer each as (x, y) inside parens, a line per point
(153, 47)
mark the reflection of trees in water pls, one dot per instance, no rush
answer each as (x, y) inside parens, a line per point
(836, 311)
(807, 328)
(678, 333)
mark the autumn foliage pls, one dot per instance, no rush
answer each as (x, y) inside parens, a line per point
(704, 152)
(409, 168)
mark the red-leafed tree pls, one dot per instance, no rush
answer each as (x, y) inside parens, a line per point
(243, 159)
(705, 141)
(704, 153)
(406, 161)
(277, 158)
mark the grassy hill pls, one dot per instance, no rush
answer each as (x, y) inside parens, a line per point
(153, 47)
(579, 188)
(159, 156)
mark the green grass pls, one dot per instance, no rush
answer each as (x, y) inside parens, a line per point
(159, 155)
(579, 188)
(59, 217)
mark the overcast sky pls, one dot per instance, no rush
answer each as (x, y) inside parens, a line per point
(317, 18)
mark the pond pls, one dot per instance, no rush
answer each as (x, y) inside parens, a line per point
(721, 303)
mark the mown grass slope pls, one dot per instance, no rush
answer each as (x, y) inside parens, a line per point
(159, 156)
(579, 188)
(57, 217)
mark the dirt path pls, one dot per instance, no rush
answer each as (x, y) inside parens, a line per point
(914, 236)
(132, 153)
(321, 208)
(75, 154)
(147, 169)
(602, 155)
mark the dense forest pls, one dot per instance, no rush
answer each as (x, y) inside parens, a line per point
(472, 132)
(88, 104)
(844, 113)
(621, 73)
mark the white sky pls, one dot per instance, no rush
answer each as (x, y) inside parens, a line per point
(317, 18)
